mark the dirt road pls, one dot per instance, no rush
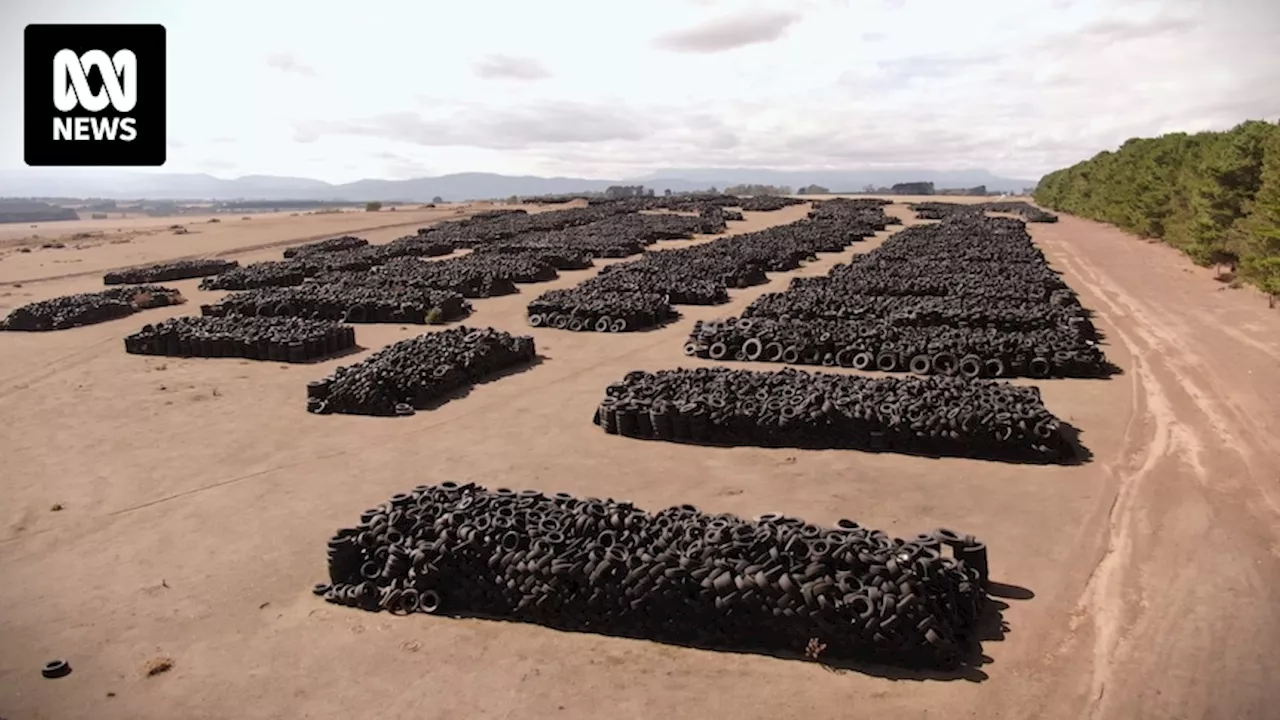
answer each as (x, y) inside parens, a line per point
(197, 496)
(1178, 617)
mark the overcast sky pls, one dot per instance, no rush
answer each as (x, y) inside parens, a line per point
(341, 91)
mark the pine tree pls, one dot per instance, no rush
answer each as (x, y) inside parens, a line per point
(1215, 195)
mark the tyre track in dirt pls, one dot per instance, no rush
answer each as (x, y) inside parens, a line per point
(1177, 607)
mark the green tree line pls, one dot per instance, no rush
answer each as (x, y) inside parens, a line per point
(1214, 195)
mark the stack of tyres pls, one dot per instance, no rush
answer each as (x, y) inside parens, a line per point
(417, 373)
(928, 349)
(168, 272)
(935, 416)
(278, 339)
(678, 576)
(971, 296)
(589, 309)
(346, 301)
(338, 244)
(702, 274)
(70, 311)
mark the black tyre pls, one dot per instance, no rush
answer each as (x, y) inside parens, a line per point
(944, 363)
(994, 367)
(1039, 367)
(429, 601)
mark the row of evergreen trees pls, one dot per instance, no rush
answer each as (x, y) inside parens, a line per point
(1215, 195)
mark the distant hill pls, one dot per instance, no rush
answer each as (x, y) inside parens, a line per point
(838, 180)
(93, 183)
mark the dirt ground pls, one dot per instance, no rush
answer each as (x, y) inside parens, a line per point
(196, 496)
(92, 247)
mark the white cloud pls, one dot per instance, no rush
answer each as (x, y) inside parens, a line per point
(1015, 88)
(506, 67)
(728, 32)
(288, 63)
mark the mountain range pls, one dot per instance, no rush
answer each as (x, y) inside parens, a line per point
(119, 185)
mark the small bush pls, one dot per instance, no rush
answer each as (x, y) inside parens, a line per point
(372, 207)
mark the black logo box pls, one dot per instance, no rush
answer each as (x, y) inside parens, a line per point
(41, 43)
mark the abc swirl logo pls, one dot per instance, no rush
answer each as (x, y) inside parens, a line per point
(71, 90)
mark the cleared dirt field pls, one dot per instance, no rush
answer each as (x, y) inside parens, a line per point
(95, 246)
(197, 496)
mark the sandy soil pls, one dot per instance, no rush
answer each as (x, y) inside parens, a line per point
(197, 495)
(92, 247)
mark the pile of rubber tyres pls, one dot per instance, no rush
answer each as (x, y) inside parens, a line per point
(71, 311)
(575, 240)
(278, 339)
(922, 349)
(942, 210)
(678, 576)
(320, 259)
(286, 273)
(419, 245)
(338, 244)
(615, 235)
(168, 272)
(346, 302)
(936, 416)
(599, 310)
(767, 203)
(557, 256)
(840, 209)
(471, 276)
(510, 267)
(970, 296)
(683, 278)
(1001, 313)
(416, 373)
(494, 225)
(701, 274)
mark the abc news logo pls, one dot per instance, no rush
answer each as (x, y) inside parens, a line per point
(107, 105)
